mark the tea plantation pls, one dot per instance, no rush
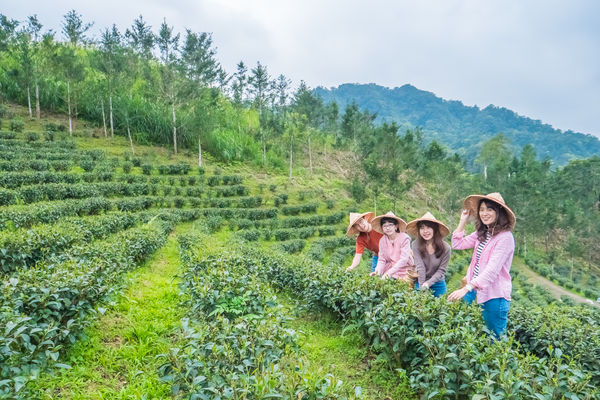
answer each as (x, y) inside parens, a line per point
(78, 217)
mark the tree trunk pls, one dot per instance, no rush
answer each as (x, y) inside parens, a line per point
(199, 153)
(291, 155)
(485, 172)
(112, 127)
(525, 246)
(310, 156)
(130, 139)
(571, 269)
(174, 130)
(37, 100)
(29, 102)
(103, 118)
(69, 108)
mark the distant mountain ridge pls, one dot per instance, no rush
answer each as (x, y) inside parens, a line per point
(461, 128)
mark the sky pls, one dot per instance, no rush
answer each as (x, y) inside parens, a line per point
(540, 59)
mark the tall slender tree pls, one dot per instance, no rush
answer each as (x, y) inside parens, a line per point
(168, 44)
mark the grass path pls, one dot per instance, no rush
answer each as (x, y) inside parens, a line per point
(344, 354)
(117, 359)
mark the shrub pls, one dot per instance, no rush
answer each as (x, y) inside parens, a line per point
(17, 125)
(146, 169)
(127, 167)
(32, 137)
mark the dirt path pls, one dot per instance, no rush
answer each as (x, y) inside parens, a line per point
(555, 290)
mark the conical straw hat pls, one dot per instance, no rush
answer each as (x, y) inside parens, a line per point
(377, 222)
(471, 203)
(413, 230)
(351, 230)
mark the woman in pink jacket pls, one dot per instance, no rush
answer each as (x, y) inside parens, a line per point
(395, 259)
(488, 276)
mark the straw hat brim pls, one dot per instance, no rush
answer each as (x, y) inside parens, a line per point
(351, 230)
(471, 203)
(413, 230)
(376, 223)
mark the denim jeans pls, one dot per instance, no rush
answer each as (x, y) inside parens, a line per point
(495, 315)
(374, 263)
(470, 297)
(438, 288)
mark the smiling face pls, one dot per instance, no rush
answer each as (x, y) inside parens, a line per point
(487, 214)
(426, 232)
(362, 225)
(389, 226)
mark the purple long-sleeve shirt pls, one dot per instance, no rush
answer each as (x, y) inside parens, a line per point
(496, 258)
(394, 256)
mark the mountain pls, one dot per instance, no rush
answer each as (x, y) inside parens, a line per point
(461, 128)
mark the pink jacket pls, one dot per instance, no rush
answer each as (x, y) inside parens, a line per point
(394, 256)
(494, 279)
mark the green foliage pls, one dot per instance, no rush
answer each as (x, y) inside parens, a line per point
(16, 125)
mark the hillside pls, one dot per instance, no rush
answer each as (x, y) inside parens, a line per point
(462, 128)
(146, 275)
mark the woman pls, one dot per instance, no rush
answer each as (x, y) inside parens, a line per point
(395, 259)
(494, 246)
(366, 239)
(430, 252)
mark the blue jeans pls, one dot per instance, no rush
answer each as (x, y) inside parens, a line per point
(374, 263)
(470, 297)
(438, 288)
(495, 315)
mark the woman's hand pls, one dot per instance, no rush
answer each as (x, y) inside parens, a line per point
(424, 286)
(350, 268)
(458, 294)
(464, 215)
(385, 275)
(373, 273)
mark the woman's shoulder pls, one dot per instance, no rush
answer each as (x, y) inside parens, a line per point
(505, 237)
(447, 246)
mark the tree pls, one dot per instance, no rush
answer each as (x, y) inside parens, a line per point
(198, 59)
(240, 83)
(111, 58)
(259, 89)
(141, 38)
(168, 43)
(495, 158)
(74, 28)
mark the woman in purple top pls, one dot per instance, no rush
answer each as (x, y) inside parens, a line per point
(488, 276)
(430, 252)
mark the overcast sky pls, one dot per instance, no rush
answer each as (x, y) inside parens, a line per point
(539, 58)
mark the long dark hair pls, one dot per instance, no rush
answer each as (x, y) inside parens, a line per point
(502, 222)
(438, 242)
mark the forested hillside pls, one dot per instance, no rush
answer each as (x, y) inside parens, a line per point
(461, 128)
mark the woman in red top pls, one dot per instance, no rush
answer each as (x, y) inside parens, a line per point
(367, 238)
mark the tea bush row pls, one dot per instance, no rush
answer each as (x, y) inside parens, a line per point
(236, 338)
(303, 208)
(298, 222)
(44, 308)
(26, 247)
(36, 165)
(442, 346)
